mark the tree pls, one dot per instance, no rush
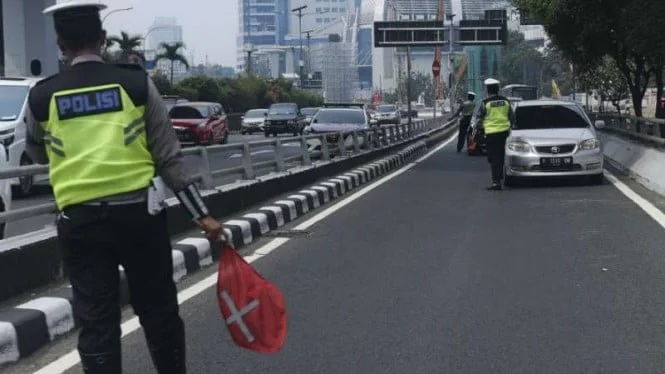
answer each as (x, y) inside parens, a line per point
(607, 80)
(172, 53)
(163, 84)
(586, 31)
(129, 45)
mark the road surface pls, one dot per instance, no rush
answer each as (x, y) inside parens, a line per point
(430, 273)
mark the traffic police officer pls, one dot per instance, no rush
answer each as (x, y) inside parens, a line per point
(466, 110)
(105, 134)
(496, 118)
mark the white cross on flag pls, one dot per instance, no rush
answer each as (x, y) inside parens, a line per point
(253, 308)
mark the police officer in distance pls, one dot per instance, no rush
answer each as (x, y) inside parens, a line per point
(496, 117)
(466, 110)
(105, 134)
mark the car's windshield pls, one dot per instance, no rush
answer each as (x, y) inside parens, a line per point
(386, 108)
(188, 112)
(548, 117)
(309, 111)
(283, 109)
(339, 116)
(255, 113)
(12, 101)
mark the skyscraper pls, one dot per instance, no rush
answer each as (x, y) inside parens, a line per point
(263, 23)
(164, 30)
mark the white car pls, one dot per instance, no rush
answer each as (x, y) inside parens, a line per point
(5, 191)
(14, 94)
(253, 121)
(553, 138)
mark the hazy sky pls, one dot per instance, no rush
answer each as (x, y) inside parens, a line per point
(209, 26)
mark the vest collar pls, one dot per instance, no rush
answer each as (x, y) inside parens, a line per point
(87, 58)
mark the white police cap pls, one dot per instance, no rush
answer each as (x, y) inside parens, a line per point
(491, 81)
(73, 5)
(471, 93)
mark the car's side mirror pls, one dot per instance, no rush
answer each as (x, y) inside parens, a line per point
(600, 124)
(242, 117)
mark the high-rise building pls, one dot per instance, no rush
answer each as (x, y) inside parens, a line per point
(261, 23)
(164, 30)
(320, 13)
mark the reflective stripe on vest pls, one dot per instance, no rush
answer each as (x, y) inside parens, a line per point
(96, 144)
(496, 117)
(467, 108)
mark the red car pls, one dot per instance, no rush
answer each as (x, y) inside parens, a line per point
(200, 123)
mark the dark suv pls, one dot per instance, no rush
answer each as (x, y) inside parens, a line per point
(284, 118)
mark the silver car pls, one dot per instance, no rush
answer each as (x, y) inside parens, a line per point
(336, 120)
(253, 121)
(554, 139)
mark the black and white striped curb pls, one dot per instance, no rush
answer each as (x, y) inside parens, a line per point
(34, 324)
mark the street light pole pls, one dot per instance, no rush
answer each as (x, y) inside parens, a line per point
(450, 17)
(300, 61)
(309, 51)
(115, 11)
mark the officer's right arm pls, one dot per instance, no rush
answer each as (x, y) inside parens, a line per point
(165, 149)
(34, 139)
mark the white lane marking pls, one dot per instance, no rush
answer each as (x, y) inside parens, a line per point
(72, 358)
(262, 151)
(238, 155)
(641, 202)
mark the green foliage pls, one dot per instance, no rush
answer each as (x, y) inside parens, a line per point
(171, 52)
(627, 31)
(128, 45)
(236, 94)
(607, 79)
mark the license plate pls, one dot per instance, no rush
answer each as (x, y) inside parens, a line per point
(556, 162)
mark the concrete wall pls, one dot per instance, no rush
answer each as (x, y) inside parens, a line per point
(641, 162)
(27, 35)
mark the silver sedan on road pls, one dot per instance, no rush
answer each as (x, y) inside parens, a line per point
(553, 139)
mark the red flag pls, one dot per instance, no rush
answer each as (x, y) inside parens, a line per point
(253, 308)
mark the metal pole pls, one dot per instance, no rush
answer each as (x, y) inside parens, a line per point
(115, 11)
(249, 62)
(450, 62)
(408, 82)
(300, 62)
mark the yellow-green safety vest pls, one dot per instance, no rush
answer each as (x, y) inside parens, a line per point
(96, 144)
(467, 108)
(496, 116)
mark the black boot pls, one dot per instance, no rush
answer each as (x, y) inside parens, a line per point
(170, 358)
(101, 363)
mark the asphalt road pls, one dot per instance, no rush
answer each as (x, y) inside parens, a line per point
(220, 160)
(431, 273)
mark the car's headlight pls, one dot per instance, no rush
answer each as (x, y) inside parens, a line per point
(202, 125)
(517, 145)
(590, 144)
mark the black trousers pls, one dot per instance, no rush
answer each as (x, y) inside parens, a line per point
(464, 124)
(496, 152)
(94, 241)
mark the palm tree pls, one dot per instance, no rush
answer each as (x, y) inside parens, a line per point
(171, 52)
(128, 45)
(107, 55)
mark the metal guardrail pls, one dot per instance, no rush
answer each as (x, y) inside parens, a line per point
(645, 129)
(345, 144)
